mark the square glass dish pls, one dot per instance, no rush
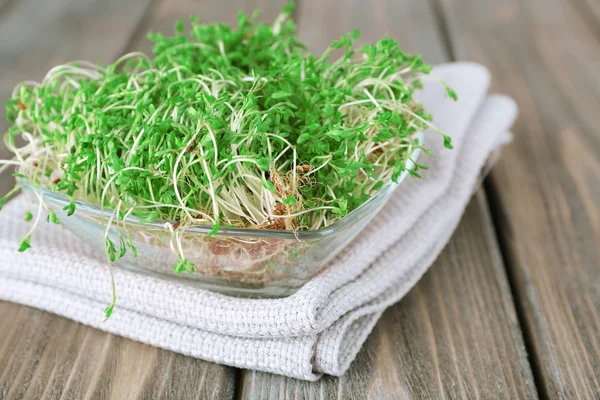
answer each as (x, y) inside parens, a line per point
(235, 261)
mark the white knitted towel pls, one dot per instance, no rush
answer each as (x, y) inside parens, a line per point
(321, 327)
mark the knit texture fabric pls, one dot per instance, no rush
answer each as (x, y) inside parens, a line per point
(320, 328)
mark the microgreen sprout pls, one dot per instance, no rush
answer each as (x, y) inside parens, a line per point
(223, 126)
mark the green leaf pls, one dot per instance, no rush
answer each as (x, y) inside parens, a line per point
(451, 93)
(342, 207)
(269, 186)
(179, 267)
(264, 163)
(425, 68)
(288, 8)
(131, 247)
(193, 112)
(25, 244)
(290, 200)
(108, 311)
(179, 26)
(303, 138)
(111, 251)
(51, 217)
(448, 142)
(184, 265)
(122, 247)
(414, 173)
(70, 208)
(427, 151)
(215, 229)
(28, 216)
(378, 185)
(336, 135)
(280, 95)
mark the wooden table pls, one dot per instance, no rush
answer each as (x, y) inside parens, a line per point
(511, 309)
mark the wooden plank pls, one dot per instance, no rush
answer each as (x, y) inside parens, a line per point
(411, 23)
(5, 6)
(45, 356)
(456, 334)
(546, 54)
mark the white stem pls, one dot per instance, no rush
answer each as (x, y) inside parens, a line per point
(181, 154)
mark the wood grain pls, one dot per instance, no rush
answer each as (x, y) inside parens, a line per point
(546, 189)
(412, 23)
(5, 6)
(456, 334)
(43, 356)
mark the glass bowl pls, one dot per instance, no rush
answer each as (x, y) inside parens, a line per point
(235, 261)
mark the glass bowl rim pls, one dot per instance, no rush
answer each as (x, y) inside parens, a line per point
(95, 210)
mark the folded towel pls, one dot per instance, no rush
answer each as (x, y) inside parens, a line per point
(320, 328)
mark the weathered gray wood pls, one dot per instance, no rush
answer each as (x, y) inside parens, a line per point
(5, 6)
(43, 356)
(412, 23)
(456, 334)
(546, 54)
